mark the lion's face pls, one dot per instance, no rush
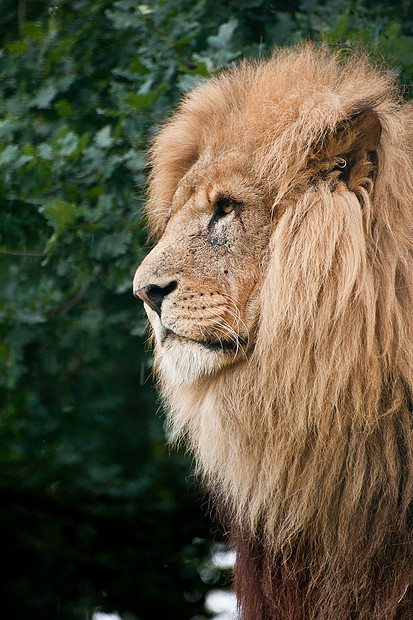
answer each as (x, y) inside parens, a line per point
(200, 283)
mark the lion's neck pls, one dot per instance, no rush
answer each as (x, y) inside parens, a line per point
(281, 472)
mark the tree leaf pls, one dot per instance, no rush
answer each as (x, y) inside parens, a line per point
(61, 214)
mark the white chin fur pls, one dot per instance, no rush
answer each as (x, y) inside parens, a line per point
(182, 361)
(186, 362)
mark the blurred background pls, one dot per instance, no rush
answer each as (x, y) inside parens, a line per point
(97, 513)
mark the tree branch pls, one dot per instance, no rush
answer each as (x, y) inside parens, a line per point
(21, 14)
(17, 253)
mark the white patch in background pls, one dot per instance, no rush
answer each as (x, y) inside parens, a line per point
(223, 603)
(224, 559)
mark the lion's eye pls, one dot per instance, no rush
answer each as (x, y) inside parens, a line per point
(225, 206)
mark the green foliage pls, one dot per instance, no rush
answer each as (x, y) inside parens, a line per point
(93, 504)
(384, 30)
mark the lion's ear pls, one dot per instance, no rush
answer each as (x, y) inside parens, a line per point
(350, 149)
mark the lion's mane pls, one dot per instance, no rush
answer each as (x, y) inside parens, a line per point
(308, 444)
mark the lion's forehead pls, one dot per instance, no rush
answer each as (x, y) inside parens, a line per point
(212, 181)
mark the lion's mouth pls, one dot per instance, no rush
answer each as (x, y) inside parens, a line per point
(226, 346)
(223, 345)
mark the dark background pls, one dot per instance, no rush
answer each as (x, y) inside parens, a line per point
(96, 512)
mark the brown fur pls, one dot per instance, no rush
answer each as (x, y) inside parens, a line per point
(304, 428)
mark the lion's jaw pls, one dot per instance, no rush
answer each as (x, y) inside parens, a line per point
(180, 359)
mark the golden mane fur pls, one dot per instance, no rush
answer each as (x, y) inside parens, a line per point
(308, 440)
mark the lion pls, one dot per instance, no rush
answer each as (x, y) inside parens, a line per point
(280, 296)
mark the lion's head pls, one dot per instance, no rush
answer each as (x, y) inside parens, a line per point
(280, 296)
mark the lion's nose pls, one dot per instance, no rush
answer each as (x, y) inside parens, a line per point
(154, 295)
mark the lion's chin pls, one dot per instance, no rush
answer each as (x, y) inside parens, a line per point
(182, 360)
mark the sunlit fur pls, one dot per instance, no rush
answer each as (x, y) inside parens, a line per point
(308, 443)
